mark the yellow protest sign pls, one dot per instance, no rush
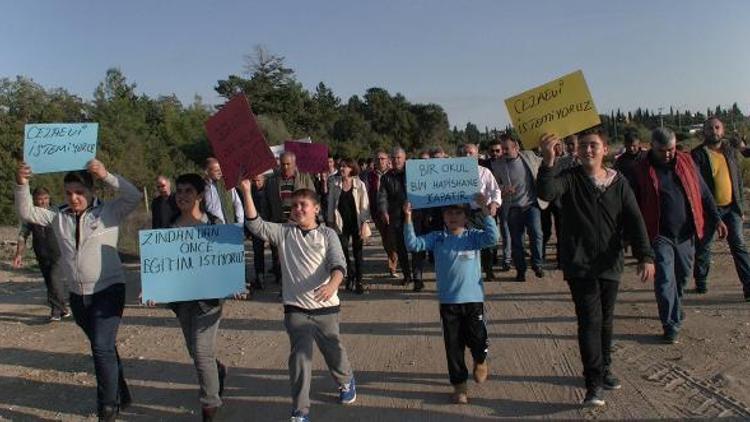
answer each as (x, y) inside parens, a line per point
(563, 107)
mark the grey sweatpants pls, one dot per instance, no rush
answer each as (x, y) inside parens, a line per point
(303, 330)
(200, 329)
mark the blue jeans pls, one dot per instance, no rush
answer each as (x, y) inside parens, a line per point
(673, 264)
(528, 218)
(733, 220)
(503, 217)
(99, 317)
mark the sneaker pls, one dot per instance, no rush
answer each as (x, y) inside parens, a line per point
(394, 275)
(481, 372)
(669, 337)
(67, 314)
(348, 392)
(298, 417)
(55, 318)
(520, 276)
(539, 272)
(611, 382)
(460, 395)
(594, 398)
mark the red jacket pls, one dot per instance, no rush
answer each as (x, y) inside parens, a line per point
(647, 192)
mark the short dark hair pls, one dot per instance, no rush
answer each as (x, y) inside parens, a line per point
(80, 176)
(305, 193)
(192, 179)
(597, 131)
(460, 207)
(631, 136)
(39, 191)
(352, 164)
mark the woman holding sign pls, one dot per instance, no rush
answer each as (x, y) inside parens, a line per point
(87, 231)
(348, 214)
(199, 319)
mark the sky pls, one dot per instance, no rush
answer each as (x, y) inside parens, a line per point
(467, 56)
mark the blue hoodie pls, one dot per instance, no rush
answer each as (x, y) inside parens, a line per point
(457, 259)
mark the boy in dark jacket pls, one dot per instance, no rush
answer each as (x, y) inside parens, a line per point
(599, 209)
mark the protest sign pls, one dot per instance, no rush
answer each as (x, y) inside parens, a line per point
(311, 158)
(50, 147)
(438, 182)
(191, 263)
(238, 142)
(277, 150)
(561, 107)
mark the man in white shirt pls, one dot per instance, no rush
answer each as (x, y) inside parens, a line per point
(230, 208)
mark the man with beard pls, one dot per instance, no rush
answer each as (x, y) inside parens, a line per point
(717, 160)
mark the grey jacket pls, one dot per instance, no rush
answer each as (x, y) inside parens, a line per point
(93, 264)
(530, 160)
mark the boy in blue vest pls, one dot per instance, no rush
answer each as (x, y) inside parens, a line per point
(460, 288)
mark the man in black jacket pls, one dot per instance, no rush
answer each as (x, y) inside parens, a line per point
(717, 159)
(598, 207)
(391, 199)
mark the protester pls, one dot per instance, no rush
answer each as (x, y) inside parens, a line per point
(87, 231)
(566, 159)
(598, 208)
(47, 254)
(199, 319)
(163, 206)
(460, 288)
(518, 173)
(348, 214)
(260, 199)
(631, 157)
(675, 202)
(391, 199)
(373, 187)
(717, 160)
(490, 190)
(312, 271)
(496, 154)
(218, 200)
(279, 189)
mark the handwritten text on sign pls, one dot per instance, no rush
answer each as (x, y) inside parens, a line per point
(190, 263)
(51, 147)
(562, 107)
(441, 181)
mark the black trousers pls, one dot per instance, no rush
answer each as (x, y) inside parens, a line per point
(476, 221)
(403, 255)
(595, 308)
(56, 290)
(259, 250)
(550, 214)
(463, 326)
(353, 272)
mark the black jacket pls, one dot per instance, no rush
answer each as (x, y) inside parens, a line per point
(700, 156)
(596, 223)
(392, 195)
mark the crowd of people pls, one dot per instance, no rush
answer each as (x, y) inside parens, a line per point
(665, 204)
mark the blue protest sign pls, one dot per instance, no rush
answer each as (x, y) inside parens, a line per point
(441, 181)
(50, 147)
(191, 263)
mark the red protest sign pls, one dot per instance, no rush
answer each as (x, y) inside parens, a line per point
(311, 158)
(238, 142)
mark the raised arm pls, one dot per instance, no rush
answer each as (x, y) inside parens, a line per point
(128, 196)
(254, 223)
(25, 208)
(413, 242)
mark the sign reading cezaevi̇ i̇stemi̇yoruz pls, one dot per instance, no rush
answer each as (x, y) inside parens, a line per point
(191, 263)
(438, 182)
(51, 147)
(561, 107)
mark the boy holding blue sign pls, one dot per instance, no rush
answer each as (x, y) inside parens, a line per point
(312, 269)
(460, 287)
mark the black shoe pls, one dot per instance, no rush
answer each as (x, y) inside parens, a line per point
(539, 272)
(360, 288)
(490, 276)
(669, 337)
(611, 382)
(594, 398)
(504, 268)
(125, 398)
(405, 282)
(108, 414)
(222, 376)
(521, 276)
(700, 288)
(418, 285)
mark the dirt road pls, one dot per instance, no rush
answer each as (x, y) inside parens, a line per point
(395, 344)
